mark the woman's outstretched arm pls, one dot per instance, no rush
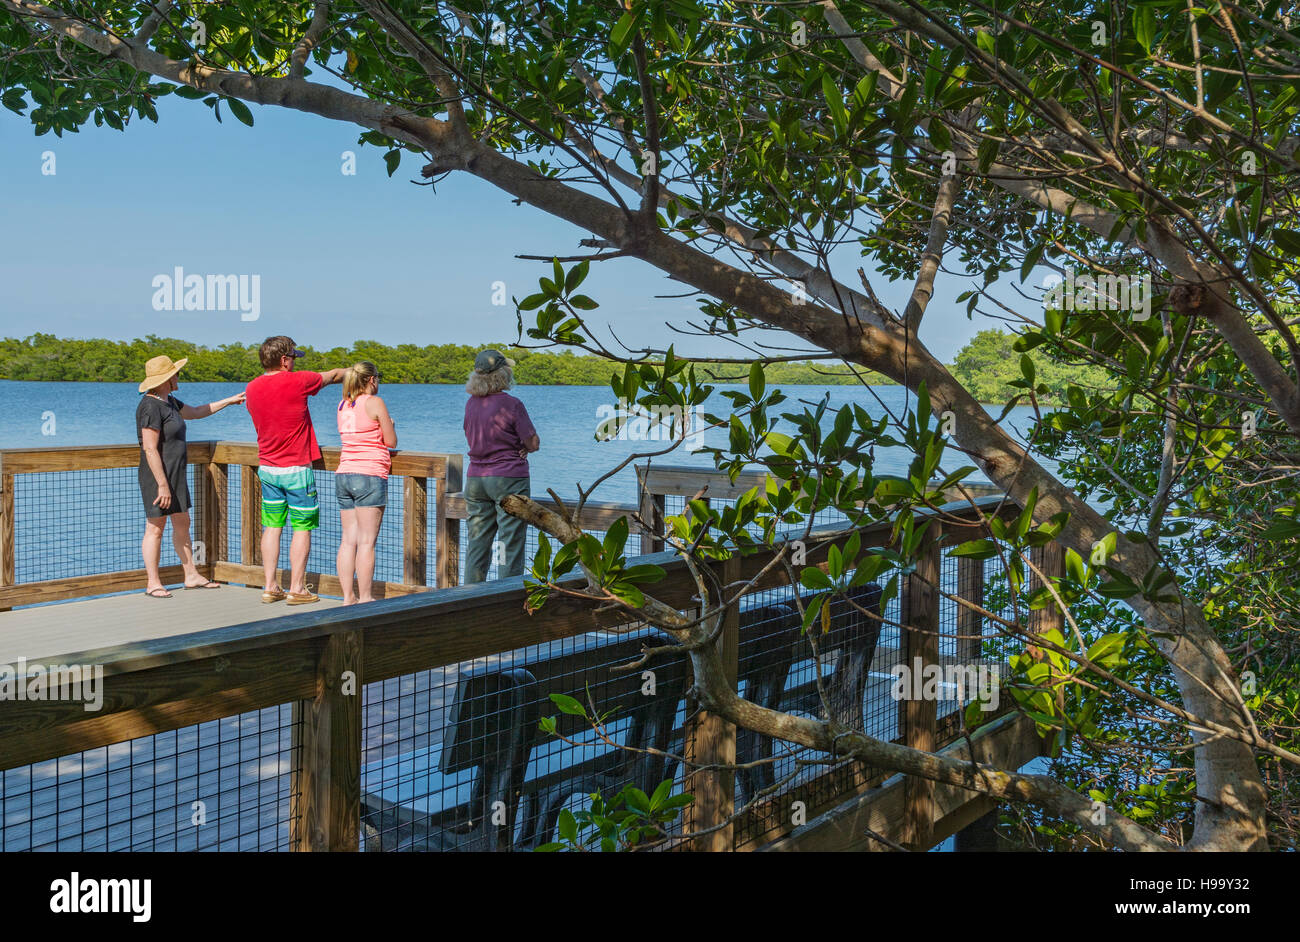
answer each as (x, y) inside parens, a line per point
(202, 412)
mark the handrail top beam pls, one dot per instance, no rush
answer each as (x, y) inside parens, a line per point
(105, 457)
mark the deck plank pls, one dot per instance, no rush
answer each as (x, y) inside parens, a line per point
(51, 630)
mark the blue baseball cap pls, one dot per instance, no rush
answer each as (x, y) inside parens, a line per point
(489, 361)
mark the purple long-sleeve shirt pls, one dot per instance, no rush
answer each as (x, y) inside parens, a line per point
(496, 428)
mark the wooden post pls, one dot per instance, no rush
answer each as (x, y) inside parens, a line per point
(1050, 559)
(250, 516)
(715, 744)
(8, 548)
(213, 479)
(415, 531)
(970, 624)
(921, 647)
(448, 529)
(326, 790)
(651, 511)
(217, 513)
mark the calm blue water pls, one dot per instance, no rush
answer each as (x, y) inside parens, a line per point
(428, 419)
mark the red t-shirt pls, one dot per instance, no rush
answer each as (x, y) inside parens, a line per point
(277, 403)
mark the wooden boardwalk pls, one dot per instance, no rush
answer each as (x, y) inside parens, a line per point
(208, 693)
(60, 629)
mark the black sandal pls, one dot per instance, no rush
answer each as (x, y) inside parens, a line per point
(153, 593)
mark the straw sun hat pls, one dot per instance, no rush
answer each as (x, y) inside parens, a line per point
(160, 369)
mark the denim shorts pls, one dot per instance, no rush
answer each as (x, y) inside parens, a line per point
(360, 490)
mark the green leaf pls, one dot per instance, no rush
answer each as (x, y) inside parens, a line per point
(645, 572)
(1283, 530)
(1027, 368)
(620, 35)
(1031, 259)
(392, 159)
(1126, 200)
(1288, 240)
(814, 578)
(939, 135)
(566, 704)
(615, 537)
(1119, 588)
(1074, 566)
(240, 111)
(975, 549)
(567, 825)
(1106, 649)
(576, 276)
(1144, 26)
(835, 103)
(810, 613)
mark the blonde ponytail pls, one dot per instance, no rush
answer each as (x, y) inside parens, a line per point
(357, 378)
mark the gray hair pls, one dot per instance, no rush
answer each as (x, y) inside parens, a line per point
(485, 384)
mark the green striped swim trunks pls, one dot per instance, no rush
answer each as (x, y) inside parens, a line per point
(289, 495)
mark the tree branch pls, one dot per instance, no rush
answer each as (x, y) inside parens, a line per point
(933, 254)
(319, 19)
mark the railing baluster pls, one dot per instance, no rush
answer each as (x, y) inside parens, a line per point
(921, 648)
(651, 511)
(970, 624)
(215, 503)
(447, 534)
(8, 551)
(250, 516)
(326, 786)
(415, 530)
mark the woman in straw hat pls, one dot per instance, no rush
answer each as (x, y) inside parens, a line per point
(164, 486)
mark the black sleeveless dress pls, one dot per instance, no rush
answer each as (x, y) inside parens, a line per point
(165, 417)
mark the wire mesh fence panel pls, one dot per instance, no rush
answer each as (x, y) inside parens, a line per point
(234, 519)
(836, 670)
(224, 785)
(1000, 642)
(456, 758)
(70, 524)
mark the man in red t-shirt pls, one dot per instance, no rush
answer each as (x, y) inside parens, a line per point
(286, 452)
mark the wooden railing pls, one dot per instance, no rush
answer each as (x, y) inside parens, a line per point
(154, 686)
(417, 473)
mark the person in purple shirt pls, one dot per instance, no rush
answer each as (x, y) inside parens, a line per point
(500, 436)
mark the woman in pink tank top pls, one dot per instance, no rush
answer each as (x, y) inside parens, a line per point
(361, 481)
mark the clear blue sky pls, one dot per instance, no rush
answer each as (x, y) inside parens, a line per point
(341, 258)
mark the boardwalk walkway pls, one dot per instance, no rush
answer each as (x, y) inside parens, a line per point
(58, 630)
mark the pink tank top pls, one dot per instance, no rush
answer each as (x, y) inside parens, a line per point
(364, 451)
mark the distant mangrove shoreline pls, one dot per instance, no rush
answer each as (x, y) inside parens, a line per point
(984, 366)
(47, 358)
